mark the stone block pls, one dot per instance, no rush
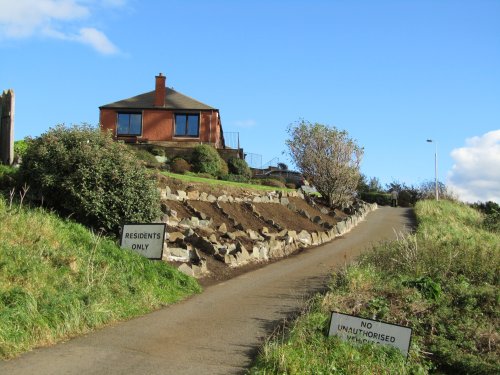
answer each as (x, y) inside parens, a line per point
(173, 236)
(193, 195)
(230, 236)
(304, 237)
(211, 198)
(186, 269)
(222, 228)
(222, 198)
(181, 194)
(284, 201)
(314, 239)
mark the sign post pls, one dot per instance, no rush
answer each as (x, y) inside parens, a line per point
(145, 239)
(360, 330)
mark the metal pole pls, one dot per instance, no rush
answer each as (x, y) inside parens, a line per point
(436, 170)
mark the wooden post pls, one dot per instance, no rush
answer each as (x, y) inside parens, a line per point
(7, 127)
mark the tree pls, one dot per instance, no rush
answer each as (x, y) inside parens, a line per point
(282, 166)
(427, 190)
(328, 158)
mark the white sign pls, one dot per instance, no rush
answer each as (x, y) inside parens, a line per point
(146, 239)
(360, 330)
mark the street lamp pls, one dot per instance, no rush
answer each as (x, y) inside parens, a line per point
(435, 167)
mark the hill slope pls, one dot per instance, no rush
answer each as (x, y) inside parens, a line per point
(57, 280)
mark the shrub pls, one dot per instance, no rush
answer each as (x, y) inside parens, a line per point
(19, 149)
(492, 222)
(8, 178)
(272, 182)
(206, 159)
(382, 199)
(81, 171)
(157, 151)
(146, 157)
(290, 185)
(179, 165)
(239, 166)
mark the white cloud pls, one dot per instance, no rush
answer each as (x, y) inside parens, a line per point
(97, 40)
(245, 123)
(52, 18)
(475, 176)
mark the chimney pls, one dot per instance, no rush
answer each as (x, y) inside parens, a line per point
(160, 91)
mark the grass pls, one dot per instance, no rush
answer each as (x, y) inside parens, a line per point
(58, 280)
(442, 281)
(209, 181)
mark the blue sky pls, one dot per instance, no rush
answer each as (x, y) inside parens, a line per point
(391, 73)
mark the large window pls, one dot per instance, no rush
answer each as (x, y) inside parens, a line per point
(129, 124)
(187, 125)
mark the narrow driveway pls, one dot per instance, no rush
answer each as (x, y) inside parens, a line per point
(219, 331)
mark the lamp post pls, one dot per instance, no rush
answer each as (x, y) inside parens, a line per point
(435, 167)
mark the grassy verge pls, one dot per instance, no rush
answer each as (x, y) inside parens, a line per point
(59, 280)
(209, 181)
(443, 282)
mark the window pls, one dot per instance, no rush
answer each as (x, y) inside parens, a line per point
(129, 124)
(187, 125)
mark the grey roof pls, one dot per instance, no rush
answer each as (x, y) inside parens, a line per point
(173, 100)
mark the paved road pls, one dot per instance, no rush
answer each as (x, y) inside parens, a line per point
(218, 331)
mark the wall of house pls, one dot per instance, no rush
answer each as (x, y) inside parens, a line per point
(158, 125)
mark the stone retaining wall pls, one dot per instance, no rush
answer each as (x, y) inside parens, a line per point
(192, 240)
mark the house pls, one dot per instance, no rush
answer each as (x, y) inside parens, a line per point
(165, 117)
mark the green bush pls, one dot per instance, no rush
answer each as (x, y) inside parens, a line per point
(273, 182)
(382, 199)
(8, 178)
(19, 149)
(239, 167)
(206, 159)
(82, 172)
(492, 222)
(179, 165)
(157, 151)
(145, 156)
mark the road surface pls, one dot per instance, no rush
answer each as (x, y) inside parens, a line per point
(218, 331)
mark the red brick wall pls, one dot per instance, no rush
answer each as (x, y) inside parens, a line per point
(107, 120)
(158, 125)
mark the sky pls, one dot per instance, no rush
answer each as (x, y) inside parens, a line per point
(392, 73)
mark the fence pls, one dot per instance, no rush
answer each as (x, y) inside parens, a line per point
(254, 160)
(232, 140)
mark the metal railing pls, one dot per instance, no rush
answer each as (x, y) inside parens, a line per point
(232, 140)
(254, 160)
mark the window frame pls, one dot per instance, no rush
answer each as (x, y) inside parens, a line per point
(186, 126)
(128, 134)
